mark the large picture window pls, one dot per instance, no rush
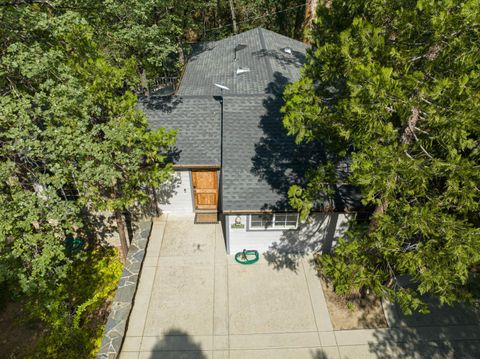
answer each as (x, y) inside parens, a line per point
(266, 221)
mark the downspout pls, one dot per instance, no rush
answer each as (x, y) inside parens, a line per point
(220, 185)
(224, 219)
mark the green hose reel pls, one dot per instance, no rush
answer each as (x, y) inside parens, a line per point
(247, 256)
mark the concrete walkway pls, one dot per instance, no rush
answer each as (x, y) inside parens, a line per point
(193, 301)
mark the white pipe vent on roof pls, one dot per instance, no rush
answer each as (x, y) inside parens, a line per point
(287, 50)
(242, 71)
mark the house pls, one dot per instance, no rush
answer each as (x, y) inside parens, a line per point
(233, 158)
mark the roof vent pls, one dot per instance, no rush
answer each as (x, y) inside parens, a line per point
(238, 48)
(242, 71)
(287, 50)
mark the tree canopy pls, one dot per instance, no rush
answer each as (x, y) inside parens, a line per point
(393, 88)
(69, 124)
(72, 144)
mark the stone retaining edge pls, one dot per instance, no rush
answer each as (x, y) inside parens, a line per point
(116, 326)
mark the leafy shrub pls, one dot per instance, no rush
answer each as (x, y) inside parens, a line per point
(76, 311)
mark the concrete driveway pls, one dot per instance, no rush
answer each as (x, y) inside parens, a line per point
(195, 302)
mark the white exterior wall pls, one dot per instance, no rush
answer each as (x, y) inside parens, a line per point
(320, 232)
(176, 196)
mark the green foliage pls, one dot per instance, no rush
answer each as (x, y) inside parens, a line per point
(75, 311)
(351, 307)
(69, 123)
(283, 16)
(155, 32)
(393, 88)
(148, 31)
(72, 143)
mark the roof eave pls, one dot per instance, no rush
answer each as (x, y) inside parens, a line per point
(195, 166)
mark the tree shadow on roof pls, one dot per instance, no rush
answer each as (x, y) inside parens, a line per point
(177, 344)
(278, 160)
(281, 162)
(199, 48)
(294, 58)
(161, 103)
(173, 155)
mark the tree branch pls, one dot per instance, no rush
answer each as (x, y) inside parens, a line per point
(412, 121)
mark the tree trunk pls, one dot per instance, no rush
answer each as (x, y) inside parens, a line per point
(204, 16)
(234, 20)
(155, 198)
(121, 234)
(310, 12)
(181, 54)
(406, 139)
(411, 123)
(129, 224)
(298, 27)
(89, 229)
(144, 81)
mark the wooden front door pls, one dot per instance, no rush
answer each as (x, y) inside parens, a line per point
(205, 191)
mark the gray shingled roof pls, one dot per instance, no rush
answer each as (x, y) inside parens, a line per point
(264, 54)
(197, 121)
(260, 161)
(195, 113)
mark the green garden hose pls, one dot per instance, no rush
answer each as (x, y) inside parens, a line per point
(245, 257)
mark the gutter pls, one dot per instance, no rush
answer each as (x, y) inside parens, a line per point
(195, 167)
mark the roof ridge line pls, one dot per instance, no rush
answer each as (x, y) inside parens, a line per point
(267, 60)
(258, 94)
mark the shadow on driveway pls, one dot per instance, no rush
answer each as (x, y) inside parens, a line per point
(418, 343)
(446, 332)
(320, 354)
(177, 344)
(315, 236)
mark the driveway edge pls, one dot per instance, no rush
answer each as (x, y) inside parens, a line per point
(122, 305)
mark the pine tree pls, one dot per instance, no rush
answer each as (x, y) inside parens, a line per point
(394, 89)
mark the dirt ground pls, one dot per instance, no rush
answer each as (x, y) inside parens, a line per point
(18, 337)
(354, 312)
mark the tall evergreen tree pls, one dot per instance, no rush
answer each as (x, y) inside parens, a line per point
(393, 87)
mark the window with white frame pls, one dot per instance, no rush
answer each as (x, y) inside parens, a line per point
(267, 221)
